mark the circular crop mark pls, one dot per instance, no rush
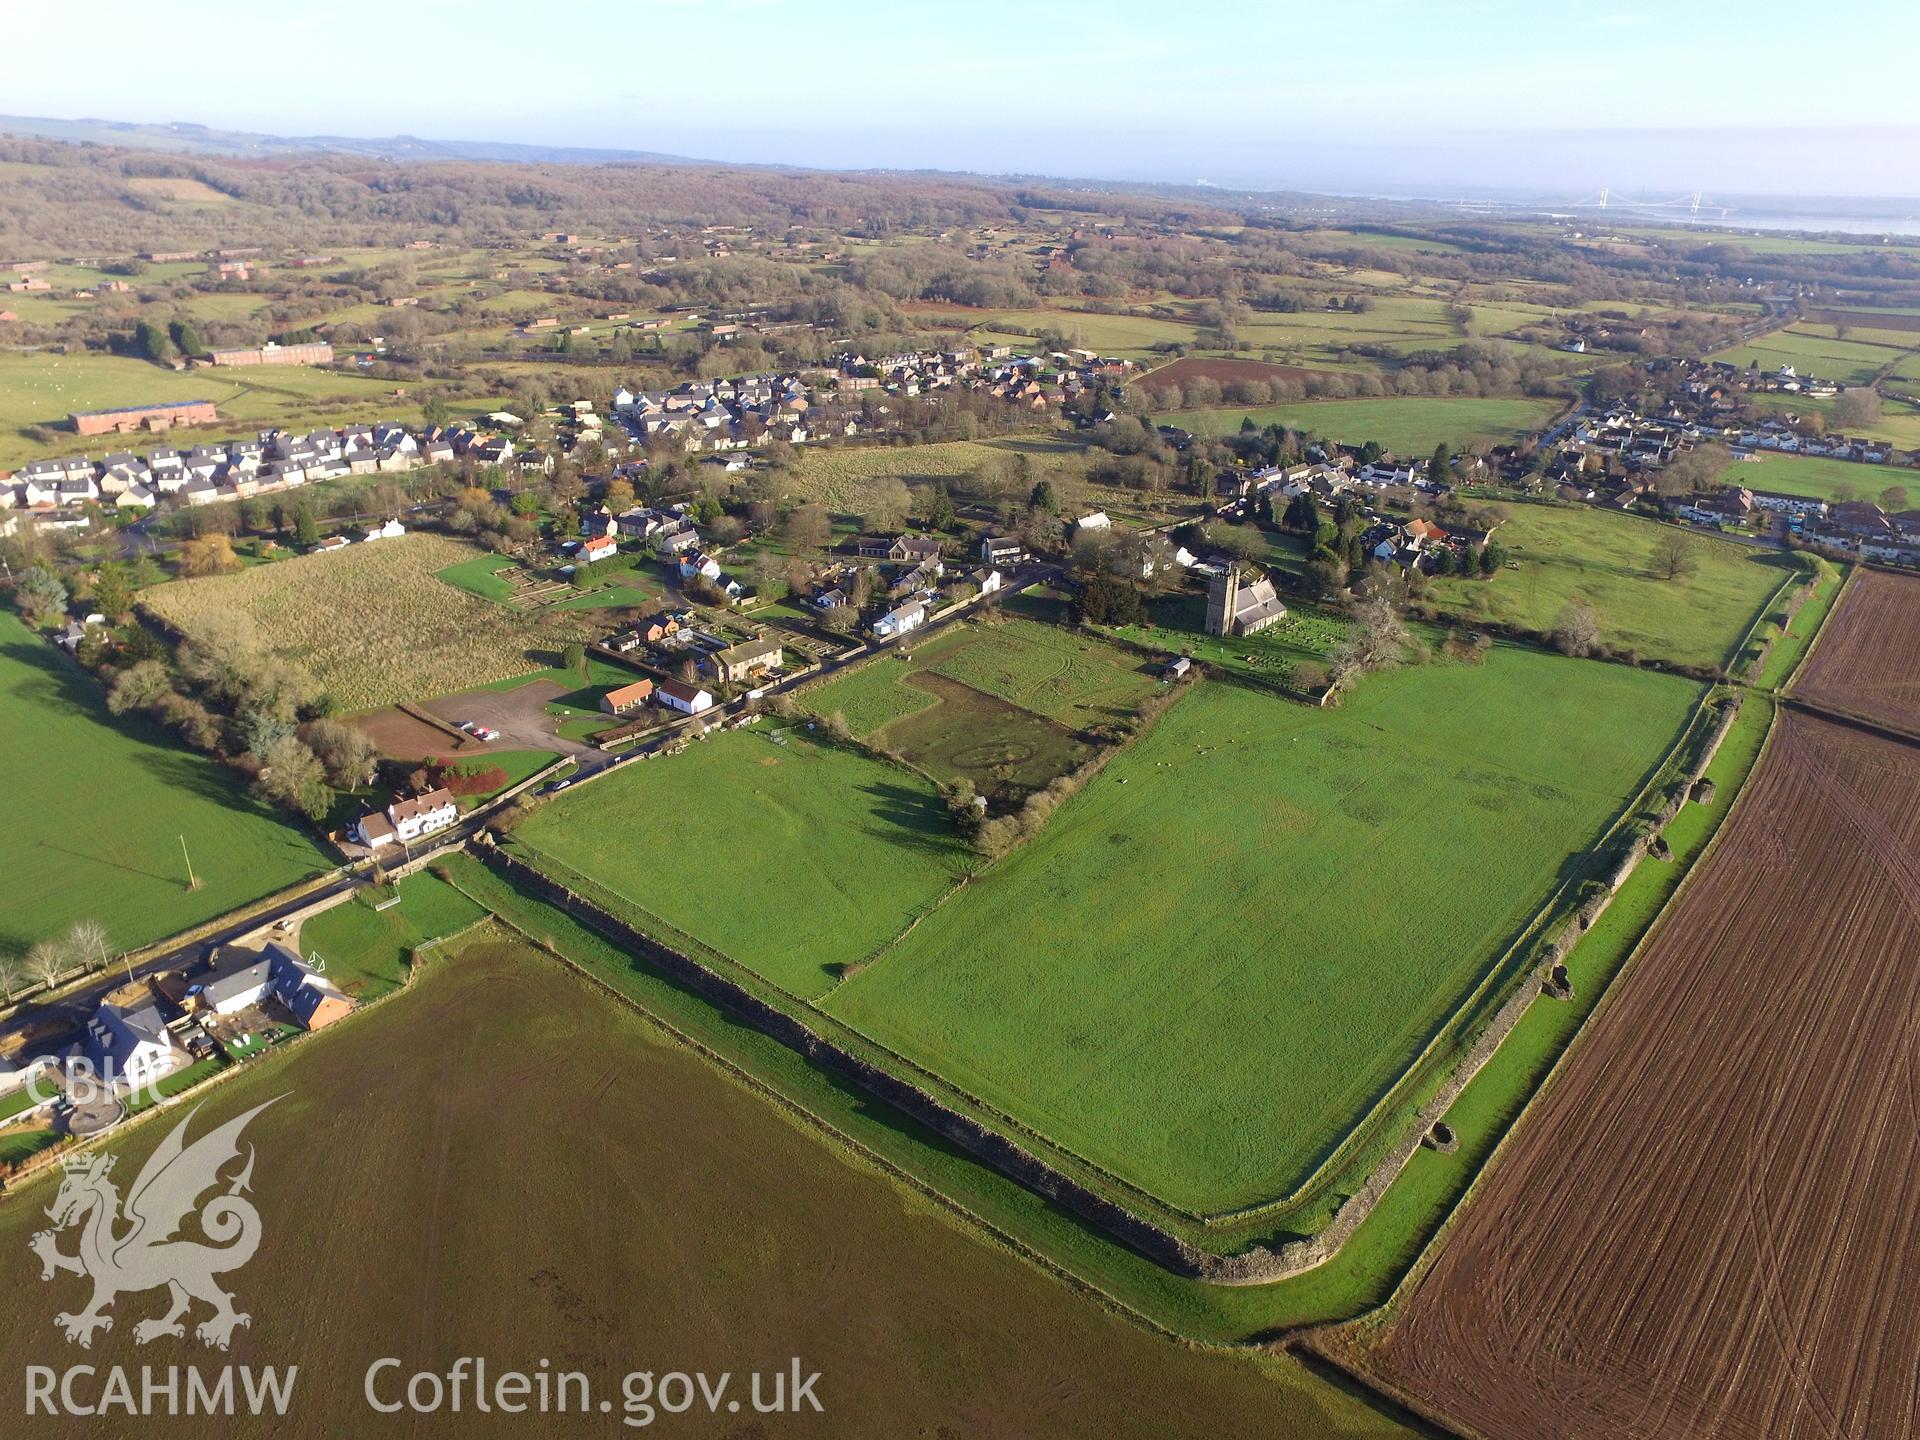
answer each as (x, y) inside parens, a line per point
(990, 753)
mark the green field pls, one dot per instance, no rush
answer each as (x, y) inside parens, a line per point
(792, 858)
(1851, 362)
(1177, 624)
(835, 475)
(1000, 703)
(367, 949)
(480, 575)
(97, 808)
(1129, 337)
(1217, 958)
(1408, 425)
(1898, 425)
(1822, 478)
(1605, 558)
(42, 388)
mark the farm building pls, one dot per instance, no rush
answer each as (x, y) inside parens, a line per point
(1236, 607)
(143, 417)
(318, 353)
(627, 697)
(687, 699)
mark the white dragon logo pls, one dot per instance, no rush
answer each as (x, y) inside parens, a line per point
(147, 1255)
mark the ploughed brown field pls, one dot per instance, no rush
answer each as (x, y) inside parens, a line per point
(504, 1163)
(1867, 662)
(1709, 1225)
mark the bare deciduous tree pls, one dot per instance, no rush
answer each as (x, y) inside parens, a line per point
(1675, 555)
(47, 962)
(1578, 629)
(1379, 640)
(87, 944)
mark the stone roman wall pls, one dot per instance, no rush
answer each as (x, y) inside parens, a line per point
(1260, 1264)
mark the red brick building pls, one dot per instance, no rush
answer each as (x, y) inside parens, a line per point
(143, 417)
(319, 353)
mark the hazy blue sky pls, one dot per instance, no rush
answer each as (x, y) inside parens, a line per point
(1783, 96)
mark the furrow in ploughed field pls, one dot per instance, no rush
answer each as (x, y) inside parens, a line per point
(1868, 661)
(1710, 1225)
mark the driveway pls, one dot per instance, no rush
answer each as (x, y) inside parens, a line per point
(520, 715)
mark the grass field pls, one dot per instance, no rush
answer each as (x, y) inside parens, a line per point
(1177, 624)
(1408, 425)
(792, 858)
(372, 623)
(97, 807)
(834, 476)
(1851, 362)
(1564, 551)
(1219, 955)
(368, 949)
(42, 388)
(698, 1211)
(1129, 337)
(480, 575)
(998, 704)
(1822, 478)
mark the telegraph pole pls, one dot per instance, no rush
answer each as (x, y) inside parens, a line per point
(193, 880)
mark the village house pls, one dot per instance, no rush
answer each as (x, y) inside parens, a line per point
(906, 549)
(747, 659)
(1001, 550)
(130, 1045)
(899, 621)
(405, 821)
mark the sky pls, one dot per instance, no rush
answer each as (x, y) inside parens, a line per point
(1352, 96)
